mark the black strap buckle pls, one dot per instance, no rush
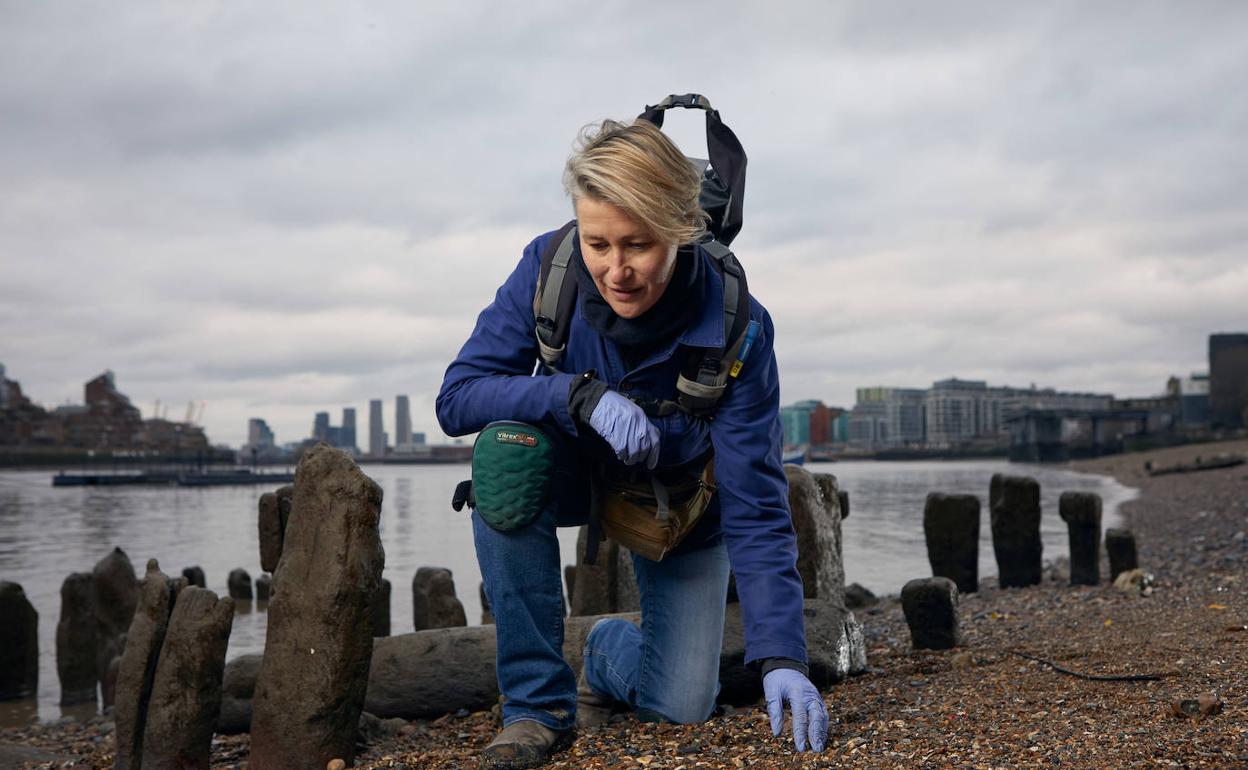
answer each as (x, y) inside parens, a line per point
(688, 101)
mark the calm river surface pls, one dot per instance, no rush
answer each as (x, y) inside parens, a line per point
(46, 533)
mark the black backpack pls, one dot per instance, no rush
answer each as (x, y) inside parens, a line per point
(704, 377)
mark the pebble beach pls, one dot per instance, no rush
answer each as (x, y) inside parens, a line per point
(1046, 676)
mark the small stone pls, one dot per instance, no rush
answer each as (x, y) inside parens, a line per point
(857, 596)
(1185, 708)
(1210, 704)
(336, 764)
(963, 660)
(1132, 580)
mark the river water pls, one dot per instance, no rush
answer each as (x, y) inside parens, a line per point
(47, 533)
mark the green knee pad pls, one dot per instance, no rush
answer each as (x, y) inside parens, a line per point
(512, 467)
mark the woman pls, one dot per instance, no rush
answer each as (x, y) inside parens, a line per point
(646, 294)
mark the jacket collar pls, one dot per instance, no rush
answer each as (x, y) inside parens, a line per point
(707, 331)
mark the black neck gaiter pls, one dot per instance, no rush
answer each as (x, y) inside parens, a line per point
(672, 314)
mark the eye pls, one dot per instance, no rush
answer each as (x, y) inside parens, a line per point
(598, 246)
(639, 246)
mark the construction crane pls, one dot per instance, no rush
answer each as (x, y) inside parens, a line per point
(199, 416)
(190, 412)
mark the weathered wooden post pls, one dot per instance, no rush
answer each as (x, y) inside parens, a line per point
(434, 603)
(1082, 513)
(239, 584)
(75, 641)
(138, 662)
(1120, 546)
(931, 609)
(19, 643)
(951, 528)
(195, 576)
(380, 609)
(310, 689)
(116, 595)
(1014, 503)
(186, 689)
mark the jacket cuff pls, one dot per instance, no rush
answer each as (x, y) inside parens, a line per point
(583, 396)
(767, 665)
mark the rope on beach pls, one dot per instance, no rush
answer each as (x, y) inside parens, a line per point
(1091, 677)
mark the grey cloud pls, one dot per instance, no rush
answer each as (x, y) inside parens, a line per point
(281, 210)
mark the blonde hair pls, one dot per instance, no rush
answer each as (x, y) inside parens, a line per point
(637, 168)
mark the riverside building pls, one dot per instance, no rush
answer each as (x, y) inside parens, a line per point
(1228, 381)
(376, 430)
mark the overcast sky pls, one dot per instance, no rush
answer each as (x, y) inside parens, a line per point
(281, 209)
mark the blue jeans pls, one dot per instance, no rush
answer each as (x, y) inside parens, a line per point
(668, 669)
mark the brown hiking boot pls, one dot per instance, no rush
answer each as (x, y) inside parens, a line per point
(592, 709)
(525, 744)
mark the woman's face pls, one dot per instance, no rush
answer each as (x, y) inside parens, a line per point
(630, 265)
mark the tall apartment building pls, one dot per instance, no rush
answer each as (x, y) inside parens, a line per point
(346, 434)
(1228, 380)
(320, 427)
(959, 411)
(259, 435)
(888, 417)
(868, 424)
(402, 423)
(376, 430)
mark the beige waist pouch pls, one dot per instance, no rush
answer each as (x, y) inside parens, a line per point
(650, 518)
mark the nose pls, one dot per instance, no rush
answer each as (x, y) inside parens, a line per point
(618, 271)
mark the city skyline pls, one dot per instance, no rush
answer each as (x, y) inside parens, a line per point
(1013, 194)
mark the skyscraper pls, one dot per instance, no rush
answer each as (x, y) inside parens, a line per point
(376, 431)
(259, 435)
(402, 423)
(346, 436)
(320, 426)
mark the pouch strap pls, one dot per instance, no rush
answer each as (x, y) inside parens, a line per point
(597, 501)
(663, 509)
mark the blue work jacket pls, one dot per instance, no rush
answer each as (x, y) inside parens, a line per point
(491, 379)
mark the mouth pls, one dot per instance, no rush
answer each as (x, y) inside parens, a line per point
(623, 295)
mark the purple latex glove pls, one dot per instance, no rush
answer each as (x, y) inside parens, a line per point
(627, 429)
(810, 716)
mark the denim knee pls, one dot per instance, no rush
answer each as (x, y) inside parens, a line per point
(693, 707)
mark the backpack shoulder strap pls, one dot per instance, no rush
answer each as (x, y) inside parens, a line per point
(555, 296)
(705, 376)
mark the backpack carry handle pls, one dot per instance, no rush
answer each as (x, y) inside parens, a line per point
(723, 184)
(654, 113)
